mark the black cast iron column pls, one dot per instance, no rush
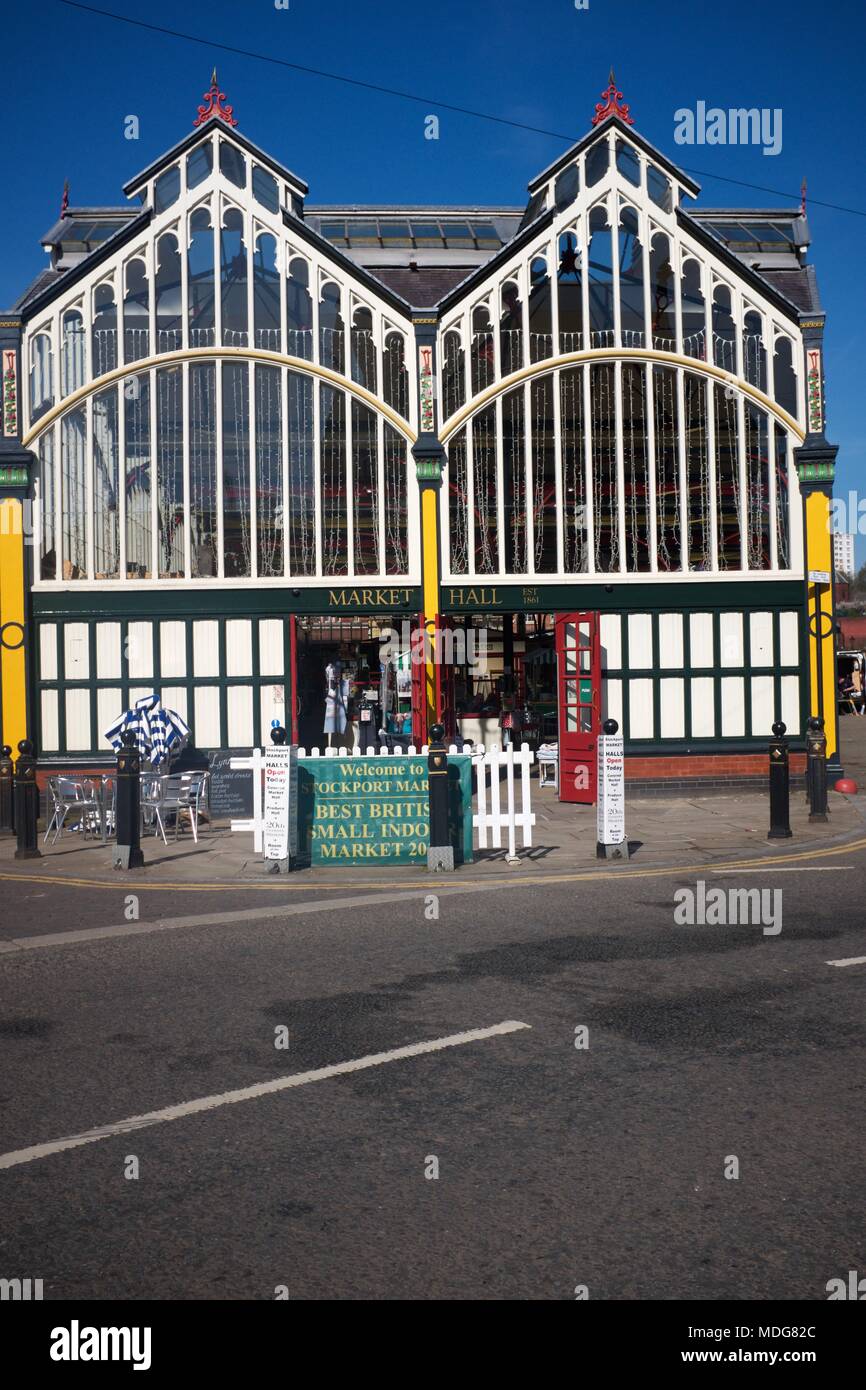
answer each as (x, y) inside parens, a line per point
(127, 850)
(26, 802)
(440, 851)
(780, 823)
(7, 791)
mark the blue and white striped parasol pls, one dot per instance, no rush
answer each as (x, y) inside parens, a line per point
(160, 733)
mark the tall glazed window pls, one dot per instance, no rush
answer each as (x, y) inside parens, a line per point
(453, 379)
(396, 377)
(170, 517)
(269, 470)
(662, 295)
(514, 482)
(202, 471)
(137, 476)
(541, 396)
(169, 311)
(331, 331)
(233, 280)
(458, 495)
(486, 493)
(698, 527)
(73, 444)
(266, 294)
(724, 330)
(363, 349)
(631, 280)
(72, 351)
(136, 312)
(335, 550)
(106, 486)
(728, 500)
(694, 311)
(302, 480)
(237, 547)
(396, 508)
(575, 547)
(41, 376)
(483, 357)
(510, 329)
(757, 489)
(299, 310)
(540, 316)
(783, 498)
(48, 557)
(569, 288)
(604, 473)
(601, 287)
(365, 491)
(668, 521)
(635, 468)
(754, 351)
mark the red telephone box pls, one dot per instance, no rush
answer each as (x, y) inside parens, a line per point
(578, 677)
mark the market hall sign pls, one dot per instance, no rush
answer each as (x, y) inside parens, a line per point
(370, 598)
(377, 810)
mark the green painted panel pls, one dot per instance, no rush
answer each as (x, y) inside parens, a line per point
(203, 601)
(377, 810)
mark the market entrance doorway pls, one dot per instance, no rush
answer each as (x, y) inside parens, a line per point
(578, 676)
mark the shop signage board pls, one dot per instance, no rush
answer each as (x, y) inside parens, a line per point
(377, 810)
(230, 791)
(611, 790)
(280, 831)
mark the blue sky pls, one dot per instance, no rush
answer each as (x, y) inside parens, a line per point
(72, 76)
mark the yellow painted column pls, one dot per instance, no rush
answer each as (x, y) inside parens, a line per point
(430, 594)
(13, 666)
(818, 547)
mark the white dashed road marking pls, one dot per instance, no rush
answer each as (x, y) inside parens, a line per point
(264, 1088)
(851, 960)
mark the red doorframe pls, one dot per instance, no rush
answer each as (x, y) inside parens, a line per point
(419, 677)
(578, 683)
(292, 707)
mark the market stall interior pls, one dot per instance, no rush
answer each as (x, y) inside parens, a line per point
(350, 687)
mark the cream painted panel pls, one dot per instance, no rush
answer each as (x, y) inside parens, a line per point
(207, 716)
(240, 716)
(640, 697)
(703, 707)
(77, 720)
(701, 637)
(733, 707)
(206, 648)
(76, 654)
(671, 641)
(139, 649)
(611, 642)
(172, 646)
(108, 651)
(761, 638)
(672, 712)
(50, 735)
(731, 639)
(48, 651)
(640, 641)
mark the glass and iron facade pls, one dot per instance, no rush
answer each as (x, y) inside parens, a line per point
(221, 391)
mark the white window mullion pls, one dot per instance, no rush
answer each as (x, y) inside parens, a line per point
(154, 477)
(217, 220)
(470, 495)
(284, 460)
(317, 467)
(743, 473)
(711, 387)
(583, 244)
(557, 463)
(121, 475)
(218, 407)
(350, 479)
(620, 465)
(251, 459)
(528, 507)
(187, 529)
(651, 467)
(771, 475)
(183, 239)
(90, 496)
(685, 528)
(614, 215)
(587, 451)
(380, 489)
(500, 486)
(553, 259)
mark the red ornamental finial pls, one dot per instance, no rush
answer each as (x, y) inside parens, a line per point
(612, 106)
(215, 99)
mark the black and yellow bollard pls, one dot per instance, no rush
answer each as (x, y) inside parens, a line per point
(7, 791)
(780, 786)
(26, 803)
(440, 851)
(127, 849)
(816, 769)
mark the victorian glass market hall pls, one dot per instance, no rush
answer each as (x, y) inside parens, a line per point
(240, 429)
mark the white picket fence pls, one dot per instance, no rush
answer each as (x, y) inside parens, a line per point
(495, 812)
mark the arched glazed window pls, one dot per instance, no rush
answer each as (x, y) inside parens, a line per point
(396, 376)
(601, 317)
(510, 328)
(365, 491)
(47, 483)
(631, 278)
(628, 161)
(569, 288)
(266, 293)
(694, 311)
(265, 189)
(136, 312)
(540, 319)
(754, 351)
(233, 280)
(363, 348)
(299, 310)
(482, 358)
(783, 497)
(662, 297)
(757, 488)
(486, 491)
(104, 332)
(724, 330)
(168, 296)
(41, 376)
(200, 279)
(597, 161)
(453, 379)
(301, 535)
(396, 509)
(784, 376)
(659, 188)
(605, 497)
(203, 516)
(331, 331)
(697, 521)
(72, 351)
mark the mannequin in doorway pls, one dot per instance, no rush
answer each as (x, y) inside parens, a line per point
(336, 702)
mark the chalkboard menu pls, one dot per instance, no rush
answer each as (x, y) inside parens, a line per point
(230, 793)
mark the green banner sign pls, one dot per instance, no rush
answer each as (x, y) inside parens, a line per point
(377, 810)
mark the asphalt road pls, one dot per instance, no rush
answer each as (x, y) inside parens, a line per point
(558, 1166)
